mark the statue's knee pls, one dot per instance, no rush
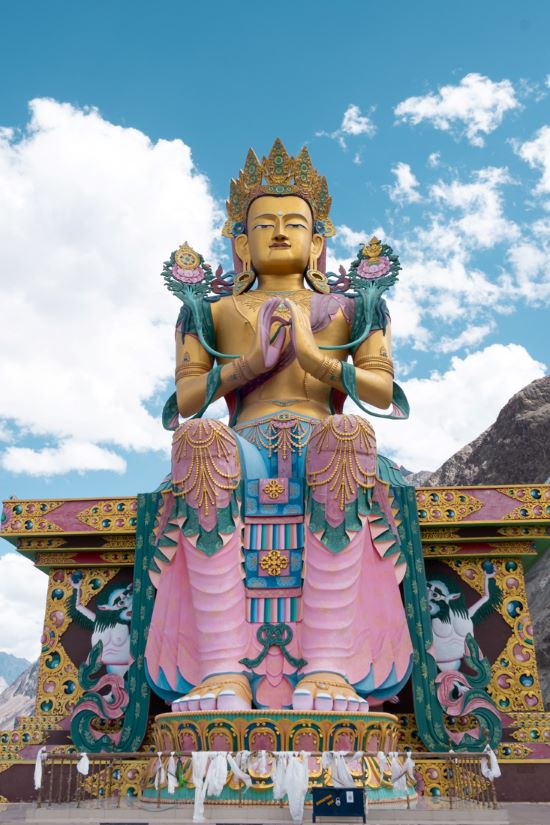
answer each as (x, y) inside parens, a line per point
(204, 451)
(344, 437)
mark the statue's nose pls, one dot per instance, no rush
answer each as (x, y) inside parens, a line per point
(279, 230)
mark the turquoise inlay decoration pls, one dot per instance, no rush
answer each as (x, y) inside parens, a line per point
(294, 506)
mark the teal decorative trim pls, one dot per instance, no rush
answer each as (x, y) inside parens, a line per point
(170, 413)
(389, 472)
(278, 635)
(212, 384)
(93, 707)
(195, 294)
(338, 538)
(371, 273)
(399, 399)
(430, 719)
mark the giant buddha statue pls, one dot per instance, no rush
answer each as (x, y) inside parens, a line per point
(278, 557)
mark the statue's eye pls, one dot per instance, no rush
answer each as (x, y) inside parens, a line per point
(264, 226)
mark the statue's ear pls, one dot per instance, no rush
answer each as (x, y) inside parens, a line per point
(241, 247)
(317, 242)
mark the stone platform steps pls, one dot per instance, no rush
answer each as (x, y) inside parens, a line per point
(140, 814)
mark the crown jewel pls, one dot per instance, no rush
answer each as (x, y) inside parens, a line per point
(278, 174)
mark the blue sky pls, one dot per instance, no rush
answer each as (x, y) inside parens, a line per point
(430, 120)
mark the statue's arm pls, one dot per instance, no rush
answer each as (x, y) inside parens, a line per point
(372, 361)
(194, 364)
(374, 368)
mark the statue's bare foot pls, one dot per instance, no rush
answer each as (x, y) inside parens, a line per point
(226, 691)
(327, 691)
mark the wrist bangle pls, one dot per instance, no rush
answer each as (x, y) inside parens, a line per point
(243, 370)
(328, 370)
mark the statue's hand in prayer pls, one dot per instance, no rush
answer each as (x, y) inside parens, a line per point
(308, 353)
(269, 339)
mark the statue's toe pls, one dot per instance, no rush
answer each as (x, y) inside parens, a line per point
(363, 705)
(208, 701)
(340, 702)
(323, 701)
(302, 699)
(229, 700)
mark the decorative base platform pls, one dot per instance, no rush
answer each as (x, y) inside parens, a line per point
(276, 730)
(279, 730)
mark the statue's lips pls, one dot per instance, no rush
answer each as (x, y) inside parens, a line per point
(279, 246)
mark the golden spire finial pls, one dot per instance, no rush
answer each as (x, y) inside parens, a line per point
(278, 174)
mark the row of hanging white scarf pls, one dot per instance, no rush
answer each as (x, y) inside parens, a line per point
(289, 771)
(82, 766)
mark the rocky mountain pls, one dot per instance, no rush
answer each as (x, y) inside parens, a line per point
(18, 699)
(10, 668)
(513, 450)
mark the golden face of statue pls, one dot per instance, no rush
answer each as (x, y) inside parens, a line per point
(279, 237)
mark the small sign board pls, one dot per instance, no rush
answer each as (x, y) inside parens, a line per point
(339, 802)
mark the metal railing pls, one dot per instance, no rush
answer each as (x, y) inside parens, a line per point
(107, 779)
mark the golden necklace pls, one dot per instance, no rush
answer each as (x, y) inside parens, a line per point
(254, 300)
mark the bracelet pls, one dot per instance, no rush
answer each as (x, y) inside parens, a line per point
(328, 370)
(190, 368)
(374, 362)
(243, 370)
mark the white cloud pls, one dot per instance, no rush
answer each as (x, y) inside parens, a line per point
(433, 294)
(443, 280)
(482, 223)
(406, 185)
(547, 81)
(475, 107)
(450, 409)
(541, 227)
(434, 159)
(536, 153)
(69, 455)
(88, 213)
(23, 591)
(530, 264)
(469, 337)
(354, 123)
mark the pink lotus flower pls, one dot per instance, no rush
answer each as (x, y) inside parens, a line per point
(373, 269)
(187, 276)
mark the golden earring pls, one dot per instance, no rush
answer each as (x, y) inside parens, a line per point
(317, 279)
(244, 279)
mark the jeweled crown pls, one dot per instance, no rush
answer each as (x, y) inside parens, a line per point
(278, 174)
